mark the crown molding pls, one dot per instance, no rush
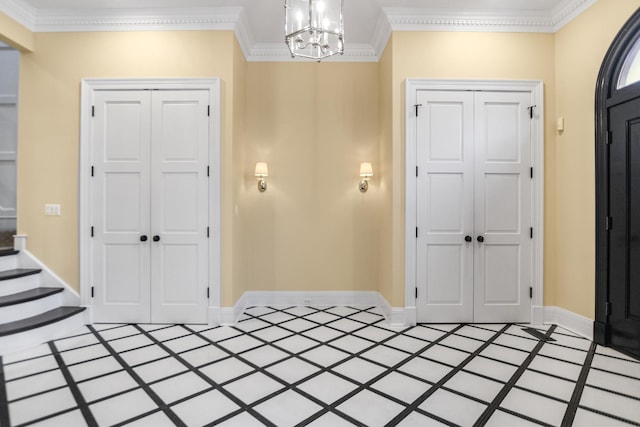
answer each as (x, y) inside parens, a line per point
(244, 34)
(403, 19)
(278, 52)
(381, 34)
(218, 18)
(568, 10)
(235, 19)
(20, 12)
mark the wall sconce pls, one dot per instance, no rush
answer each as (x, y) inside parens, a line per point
(366, 172)
(261, 172)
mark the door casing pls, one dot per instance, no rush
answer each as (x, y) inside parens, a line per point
(412, 86)
(88, 87)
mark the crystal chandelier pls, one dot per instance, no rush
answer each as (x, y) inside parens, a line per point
(314, 28)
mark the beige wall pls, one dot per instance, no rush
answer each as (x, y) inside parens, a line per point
(314, 124)
(14, 34)
(49, 123)
(312, 230)
(513, 56)
(386, 176)
(580, 48)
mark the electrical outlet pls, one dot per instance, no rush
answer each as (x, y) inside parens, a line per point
(52, 209)
(306, 302)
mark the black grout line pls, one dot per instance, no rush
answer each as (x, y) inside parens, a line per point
(525, 417)
(570, 413)
(4, 400)
(243, 406)
(73, 387)
(156, 399)
(332, 344)
(446, 378)
(486, 415)
(606, 414)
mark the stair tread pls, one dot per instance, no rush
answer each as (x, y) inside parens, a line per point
(26, 296)
(8, 252)
(40, 320)
(17, 273)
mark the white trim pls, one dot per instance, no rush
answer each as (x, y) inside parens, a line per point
(424, 19)
(160, 19)
(33, 337)
(234, 18)
(88, 87)
(568, 10)
(537, 145)
(47, 278)
(396, 316)
(568, 320)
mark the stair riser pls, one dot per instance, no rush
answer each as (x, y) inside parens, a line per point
(8, 262)
(34, 337)
(29, 309)
(21, 284)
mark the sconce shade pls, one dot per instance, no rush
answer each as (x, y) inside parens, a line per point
(366, 170)
(261, 170)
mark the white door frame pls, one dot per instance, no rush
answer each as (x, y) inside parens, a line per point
(537, 146)
(88, 87)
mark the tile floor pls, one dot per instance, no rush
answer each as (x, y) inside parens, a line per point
(334, 366)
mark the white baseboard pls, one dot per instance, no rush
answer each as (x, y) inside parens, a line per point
(396, 316)
(47, 278)
(568, 320)
(537, 315)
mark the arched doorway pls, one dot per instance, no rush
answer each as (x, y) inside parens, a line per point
(618, 193)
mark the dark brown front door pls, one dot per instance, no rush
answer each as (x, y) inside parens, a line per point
(624, 226)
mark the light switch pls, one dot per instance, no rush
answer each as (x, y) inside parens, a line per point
(52, 209)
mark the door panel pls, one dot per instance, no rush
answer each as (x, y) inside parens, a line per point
(180, 206)
(502, 207)
(445, 207)
(150, 158)
(121, 206)
(474, 155)
(624, 235)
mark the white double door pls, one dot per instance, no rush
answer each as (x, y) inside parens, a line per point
(150, 199)
(474, 207)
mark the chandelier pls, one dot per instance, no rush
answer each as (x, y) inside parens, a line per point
(314, 28)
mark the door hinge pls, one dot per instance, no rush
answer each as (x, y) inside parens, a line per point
(417, 106)
(208, 110)
(92, 291)
(208, 294)
(609, 138)
(607, 308)
(531, 233)
(416, 292)
(416, 232)
(531, 172)
(208, 232)
(92, 231)
(531, 108)
(530, 292)
(93, 111)
(208, 170)
(92, 170)
(608, 223)
(416, 171)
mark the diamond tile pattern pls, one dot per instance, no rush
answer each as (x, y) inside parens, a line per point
(318, 366)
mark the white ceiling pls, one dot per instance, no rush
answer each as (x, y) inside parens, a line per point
(259, 23)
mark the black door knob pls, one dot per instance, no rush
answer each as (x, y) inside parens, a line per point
(143, 238)
(468, 239)
(480, 239)
(156, 238)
